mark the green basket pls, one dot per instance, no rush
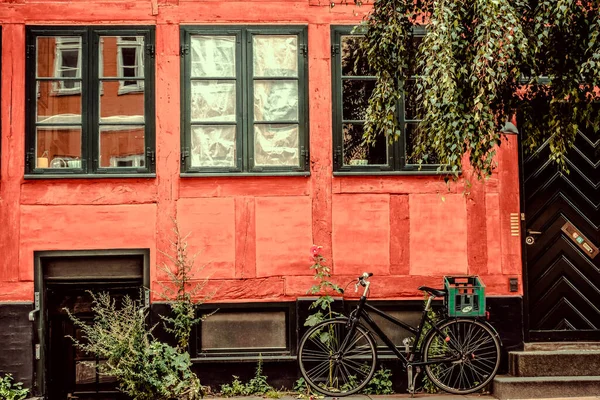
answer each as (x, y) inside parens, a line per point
(465, 296)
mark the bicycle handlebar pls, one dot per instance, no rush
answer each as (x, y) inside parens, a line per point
(365, 275)
(363, 281)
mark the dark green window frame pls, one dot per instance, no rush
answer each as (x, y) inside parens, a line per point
(397, 162)
(90, 90)
(244, 117)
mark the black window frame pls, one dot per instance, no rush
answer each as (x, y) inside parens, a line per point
(244, 100)
(90, 90)
(396, 158)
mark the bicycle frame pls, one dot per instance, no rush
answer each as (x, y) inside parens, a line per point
(361, 313)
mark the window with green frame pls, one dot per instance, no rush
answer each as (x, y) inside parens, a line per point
(353, 84)
(244, 96)
(90, 101)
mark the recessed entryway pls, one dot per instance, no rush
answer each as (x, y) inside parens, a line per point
(64, 280)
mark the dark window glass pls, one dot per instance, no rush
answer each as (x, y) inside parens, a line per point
(353, 84)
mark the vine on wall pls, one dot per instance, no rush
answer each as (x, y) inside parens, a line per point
(481, 63)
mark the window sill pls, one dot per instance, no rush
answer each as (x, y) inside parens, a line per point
(242, 358)
(89, 176)
(241, 174)
(392, 173)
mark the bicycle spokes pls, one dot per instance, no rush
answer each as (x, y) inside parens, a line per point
(337, 360)
(468, 361)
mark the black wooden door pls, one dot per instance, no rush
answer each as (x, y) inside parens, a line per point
(71, 372)
(562, 274)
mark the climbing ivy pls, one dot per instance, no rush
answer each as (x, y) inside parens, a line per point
(480, 64)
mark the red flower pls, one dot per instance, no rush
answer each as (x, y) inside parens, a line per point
(315, 250)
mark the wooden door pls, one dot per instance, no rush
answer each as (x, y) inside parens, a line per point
(562, 271)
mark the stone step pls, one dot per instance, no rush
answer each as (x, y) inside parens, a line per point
(572, 362)
(509, 387)
(551, 346)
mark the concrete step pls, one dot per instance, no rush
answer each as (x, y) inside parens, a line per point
(572, 362)
(551, 346)
(509, 387)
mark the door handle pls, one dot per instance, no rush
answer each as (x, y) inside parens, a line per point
(530, 232)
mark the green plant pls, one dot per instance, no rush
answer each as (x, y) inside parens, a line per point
(180, 292)
(236, 388)
(145, 368)
(10, 390)
(381, 383)
(324, 287)
(257, 385)
(436, 348)
(479, 64)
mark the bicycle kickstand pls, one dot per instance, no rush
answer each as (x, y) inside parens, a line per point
(412, 379)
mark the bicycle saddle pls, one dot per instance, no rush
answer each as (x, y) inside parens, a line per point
(435, 292)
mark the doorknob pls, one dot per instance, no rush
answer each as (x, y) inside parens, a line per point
(530, 239)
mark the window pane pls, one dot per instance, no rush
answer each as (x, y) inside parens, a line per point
(349, 51)
(121, 56)
(56, 109)
(355, 98)
(275, 55)
(213, 56)
(58, 147)
(213, 100)
(58, 56)
(410, 100)
(276, 100)
(213, 146)
(122, 146)
(358, 153)
(120, 108)
(276, 145)
(416, 42)
(411, 141)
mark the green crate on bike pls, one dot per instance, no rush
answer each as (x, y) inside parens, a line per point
(465, 296)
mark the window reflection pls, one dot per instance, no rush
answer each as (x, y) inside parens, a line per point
(122, 146)
(58, 147)
(67, 64)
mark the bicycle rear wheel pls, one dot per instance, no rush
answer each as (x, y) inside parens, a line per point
(469, 354)
(335, 360)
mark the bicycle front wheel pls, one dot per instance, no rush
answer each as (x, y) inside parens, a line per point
(469, 354)
(336, 360)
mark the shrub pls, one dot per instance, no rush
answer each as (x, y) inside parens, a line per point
(10, 390)
(145, 368)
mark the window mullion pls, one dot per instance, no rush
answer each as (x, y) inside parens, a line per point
(149, 96)
(246, 87)
(303, 111)
(90, 115)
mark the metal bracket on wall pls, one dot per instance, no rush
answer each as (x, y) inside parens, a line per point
(36, 306)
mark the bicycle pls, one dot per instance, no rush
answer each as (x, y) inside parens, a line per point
(338, 357)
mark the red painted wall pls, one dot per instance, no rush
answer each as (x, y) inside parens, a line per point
(253, 233)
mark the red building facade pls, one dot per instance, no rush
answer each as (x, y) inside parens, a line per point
(118, 117)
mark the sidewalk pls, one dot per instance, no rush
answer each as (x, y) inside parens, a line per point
(416, 396)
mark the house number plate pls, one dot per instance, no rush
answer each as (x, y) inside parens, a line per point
(581, 241)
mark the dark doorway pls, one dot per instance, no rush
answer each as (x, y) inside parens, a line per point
(66, 280)
(71, 372)
(562, 267)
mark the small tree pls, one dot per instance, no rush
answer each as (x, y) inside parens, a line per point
(180, 291)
